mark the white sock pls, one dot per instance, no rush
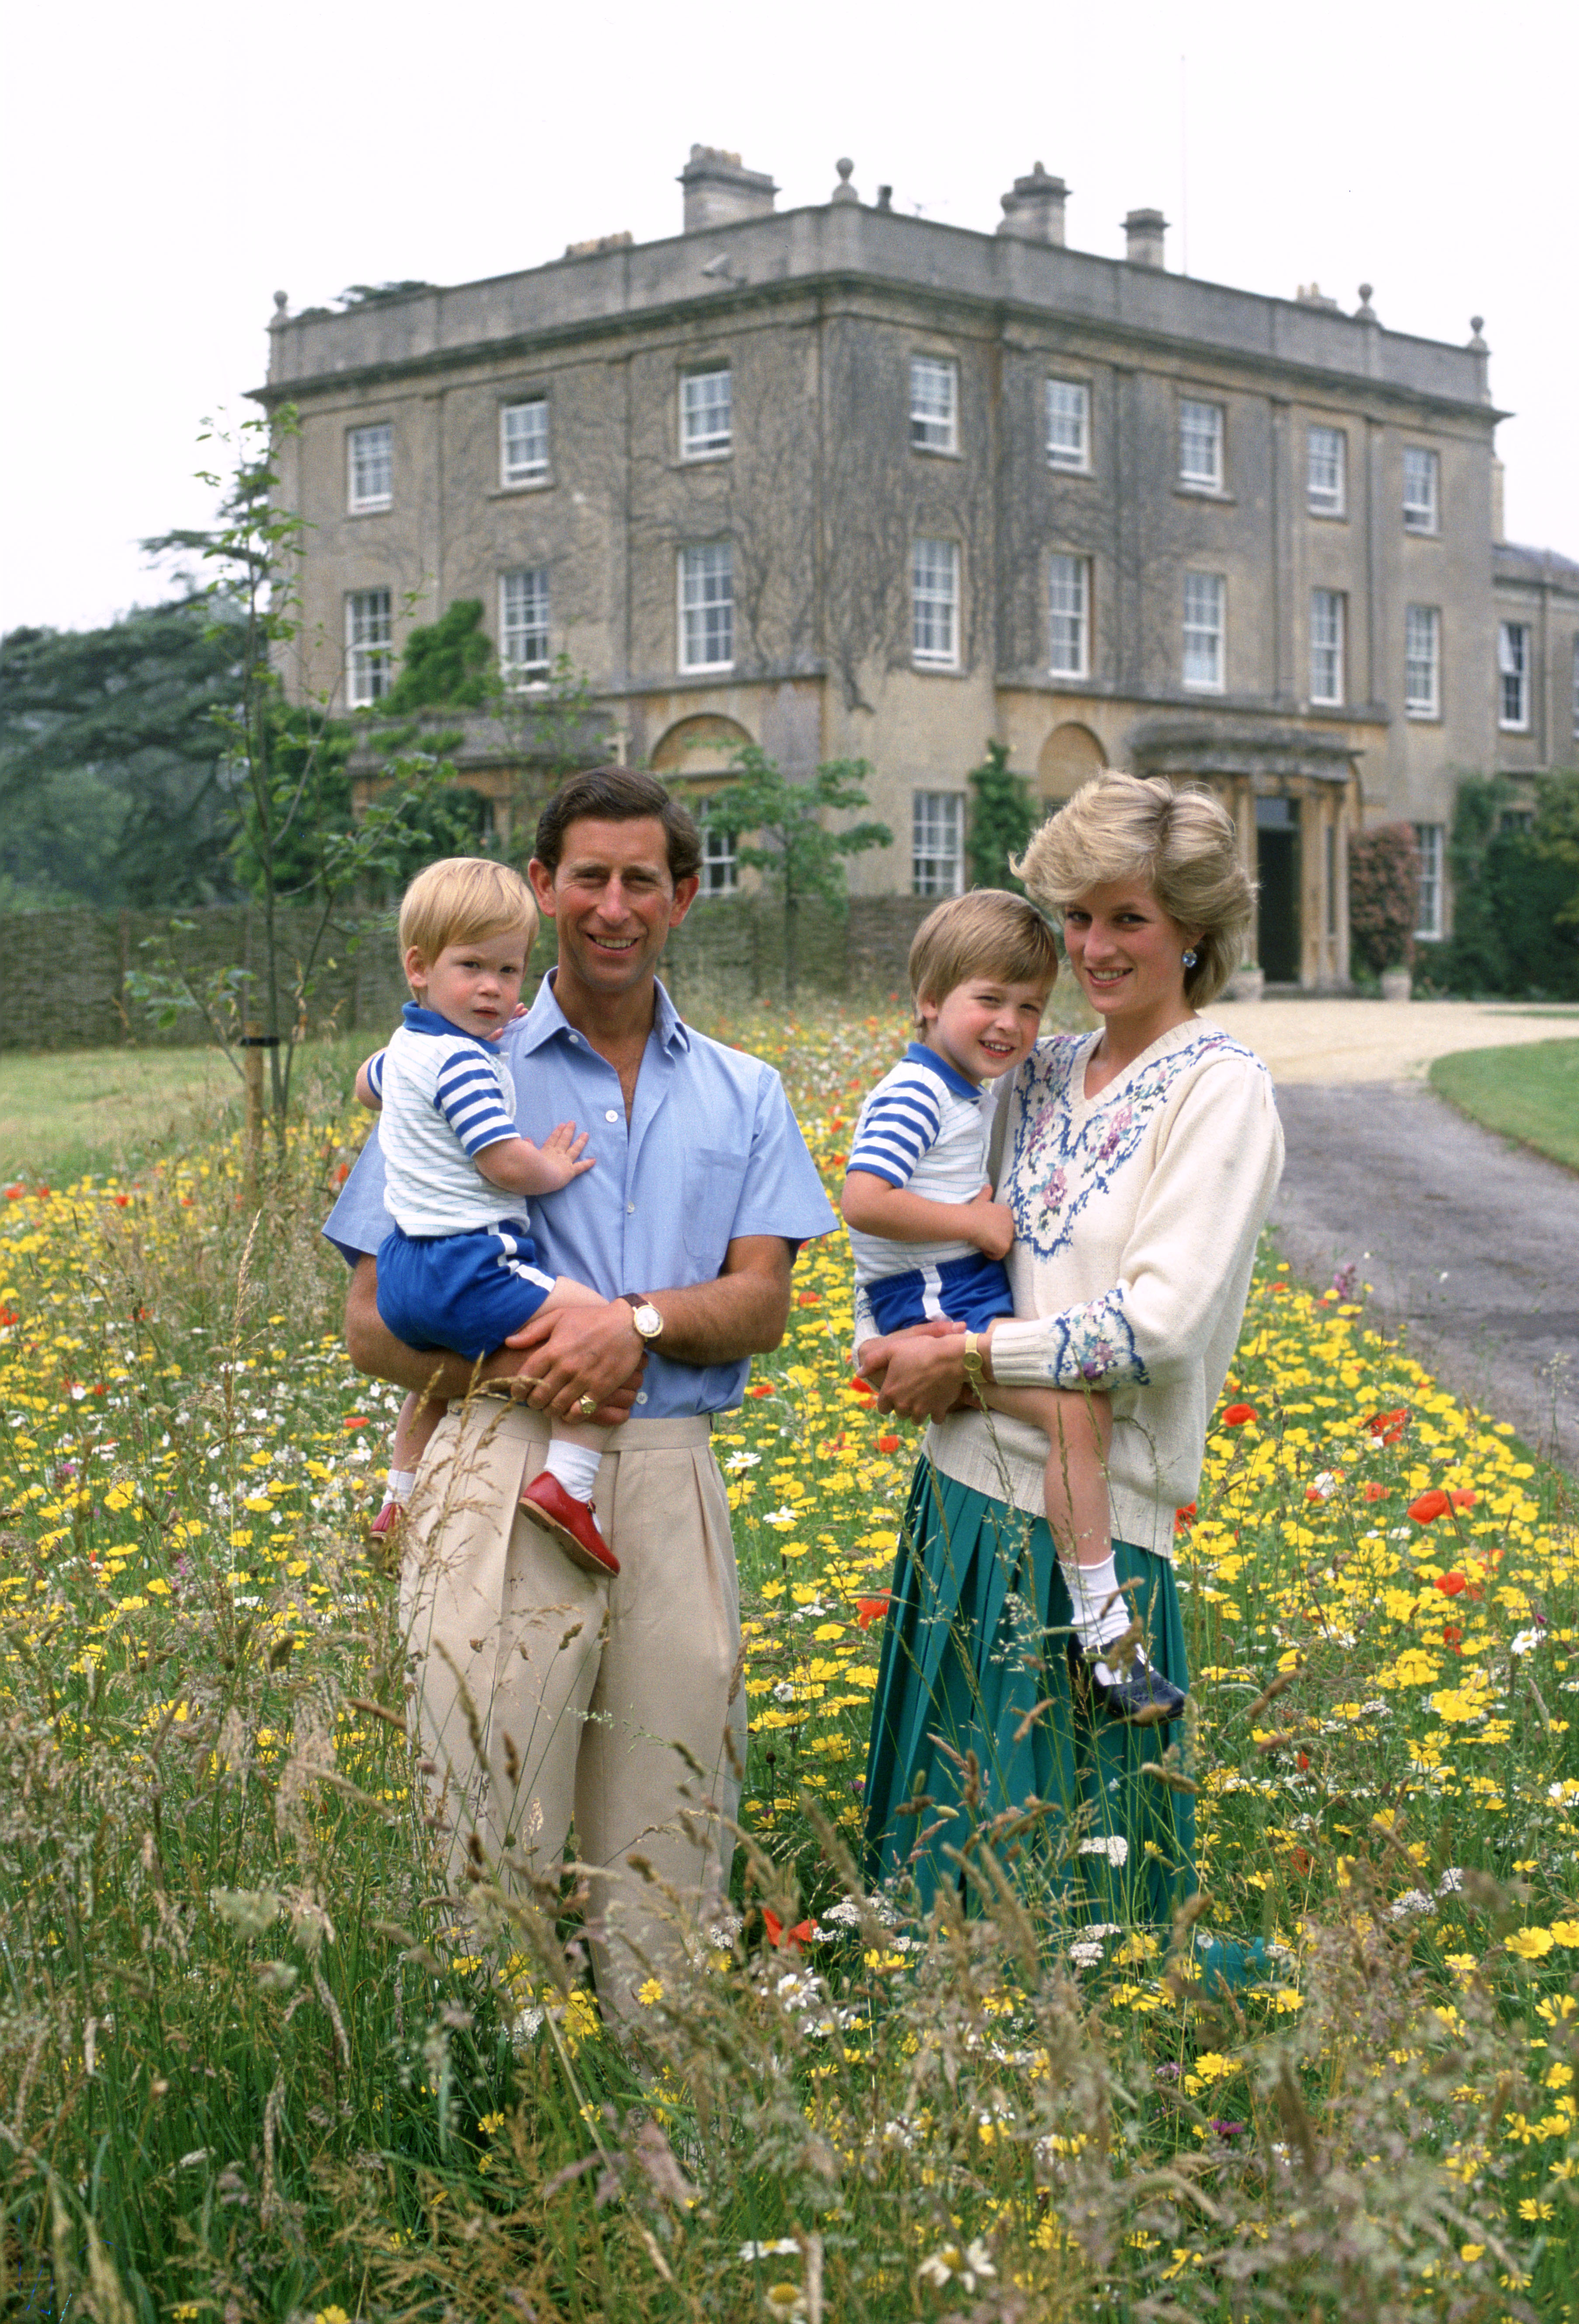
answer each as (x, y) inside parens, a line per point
(575, 1465)
(1101, 1610)
(400, 1484)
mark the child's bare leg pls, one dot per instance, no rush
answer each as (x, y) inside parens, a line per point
(570, 1468)
(419, 1416)
(1079, 1429)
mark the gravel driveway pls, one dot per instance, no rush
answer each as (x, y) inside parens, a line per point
(1470, 1243)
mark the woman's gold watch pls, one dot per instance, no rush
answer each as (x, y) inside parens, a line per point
(976, 1370)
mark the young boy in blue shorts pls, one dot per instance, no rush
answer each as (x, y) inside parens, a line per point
(929, 1239)
(457, 1268)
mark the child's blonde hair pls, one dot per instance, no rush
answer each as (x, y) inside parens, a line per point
(986, 933)
(461, 899)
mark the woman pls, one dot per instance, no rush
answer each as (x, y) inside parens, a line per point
(1140, 1162)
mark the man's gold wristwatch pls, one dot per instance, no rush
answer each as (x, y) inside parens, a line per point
(645, 1316)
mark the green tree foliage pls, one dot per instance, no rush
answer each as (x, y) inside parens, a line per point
(1515, 890)
(446, 665)
(1384, 888)
(780, 830)
(113, 786)
(1003, 818)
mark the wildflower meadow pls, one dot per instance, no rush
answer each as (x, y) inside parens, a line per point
(256, 2062)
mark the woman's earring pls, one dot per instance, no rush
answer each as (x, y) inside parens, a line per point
(1189, 957)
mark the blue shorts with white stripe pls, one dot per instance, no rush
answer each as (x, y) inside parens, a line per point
(467, 1292)
(972, 1291)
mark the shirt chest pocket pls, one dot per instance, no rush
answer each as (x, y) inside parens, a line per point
(714, 1177)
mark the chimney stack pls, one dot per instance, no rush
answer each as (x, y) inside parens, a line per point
(1143, 233)
(719, 192)
(1034, 210)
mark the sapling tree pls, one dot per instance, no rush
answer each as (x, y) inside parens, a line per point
(1002, 820)
(782, 830)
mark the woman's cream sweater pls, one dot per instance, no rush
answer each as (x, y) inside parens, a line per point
(1136, 1218)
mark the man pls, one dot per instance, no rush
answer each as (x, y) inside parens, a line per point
(544, 1690)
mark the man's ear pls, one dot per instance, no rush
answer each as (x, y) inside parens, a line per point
(542, 887)
(685, 892)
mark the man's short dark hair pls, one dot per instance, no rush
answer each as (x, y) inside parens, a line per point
(618, 794)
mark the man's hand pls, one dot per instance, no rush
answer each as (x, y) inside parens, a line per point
(576, 1351)
(988, 1224)
(919, 1373)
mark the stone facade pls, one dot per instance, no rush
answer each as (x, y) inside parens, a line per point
(846, 482)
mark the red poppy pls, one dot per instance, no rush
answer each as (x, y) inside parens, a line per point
(1450, 1584)
(809, 1299)
(7, 1317)
(1301, 1760)
(1183, 1518)
(762, 1387)
(122, 1201)
(1451, 1635)
(15, 1194)
(1237, 1415)
(862, 1386)
(888, 1444)
(1375, 1492)
(1387, 1427)
(778, 1934)
(1461, 1498)
(1430, 1506)
(356, 1420)
(872, 1609)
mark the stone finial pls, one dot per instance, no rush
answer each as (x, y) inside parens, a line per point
(845, 191)
(280, 302)
(1365, 312)
(1033, 208)
(1143, 233)
(1477, 324)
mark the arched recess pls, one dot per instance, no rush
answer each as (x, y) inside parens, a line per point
(1070, 757)
(698, 757)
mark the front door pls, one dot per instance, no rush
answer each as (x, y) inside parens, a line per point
(1278, 871)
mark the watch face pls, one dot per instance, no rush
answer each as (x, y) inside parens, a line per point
(647, 1320)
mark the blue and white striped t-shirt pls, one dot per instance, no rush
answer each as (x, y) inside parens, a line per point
(446, 1096)
(924, 1127)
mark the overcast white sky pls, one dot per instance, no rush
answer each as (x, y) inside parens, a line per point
(164, 168)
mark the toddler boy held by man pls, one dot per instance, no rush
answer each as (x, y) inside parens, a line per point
(929, 1239)
(458, 1268)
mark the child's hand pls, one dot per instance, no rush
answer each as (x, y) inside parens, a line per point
(988, 1224)
(560, 1156)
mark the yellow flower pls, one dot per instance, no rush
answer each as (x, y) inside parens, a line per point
(1530, 1944)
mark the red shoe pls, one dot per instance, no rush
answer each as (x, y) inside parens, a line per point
(572, 1523)
(388, 1517)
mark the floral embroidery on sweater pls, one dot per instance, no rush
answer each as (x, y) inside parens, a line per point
(1059, 1164)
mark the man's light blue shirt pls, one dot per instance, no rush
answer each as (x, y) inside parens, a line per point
(711, 1152)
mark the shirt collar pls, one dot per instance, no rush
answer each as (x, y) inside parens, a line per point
(918, 1054)
(418, 1020)
(545, 1020)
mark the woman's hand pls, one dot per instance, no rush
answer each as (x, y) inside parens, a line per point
(919, 1373)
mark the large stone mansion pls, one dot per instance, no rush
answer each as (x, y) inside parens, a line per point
(851, 483)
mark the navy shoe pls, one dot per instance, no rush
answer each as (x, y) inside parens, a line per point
(1142, 1699)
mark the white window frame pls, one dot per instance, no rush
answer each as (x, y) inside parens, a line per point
(1069, 409)
(1329, 622)
(1422, 662)
(1206, 423)
(1513, 688)
(707, 413)
(934, 603)
(1431, 839)
(370, 467)
(523, 625)
(937, 843)
(1206, 631)
(519, 469)
(706, 584)
(720, 865)
(369, 647)
(1422, 497)
(1326, 469)
(1068, 615)
(934, 403)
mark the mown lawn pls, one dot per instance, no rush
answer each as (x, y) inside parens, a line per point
(255, 2064)
(1528, 1093)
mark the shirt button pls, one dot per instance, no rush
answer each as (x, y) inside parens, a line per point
(642, 1396)
(630, 1210)
(610, 1115)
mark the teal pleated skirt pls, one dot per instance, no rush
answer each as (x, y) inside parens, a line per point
(974, 1695)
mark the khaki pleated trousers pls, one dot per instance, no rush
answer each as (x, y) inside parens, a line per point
(545, 1692)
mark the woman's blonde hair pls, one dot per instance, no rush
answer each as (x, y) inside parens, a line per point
(461, 899)
(1182, 843)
